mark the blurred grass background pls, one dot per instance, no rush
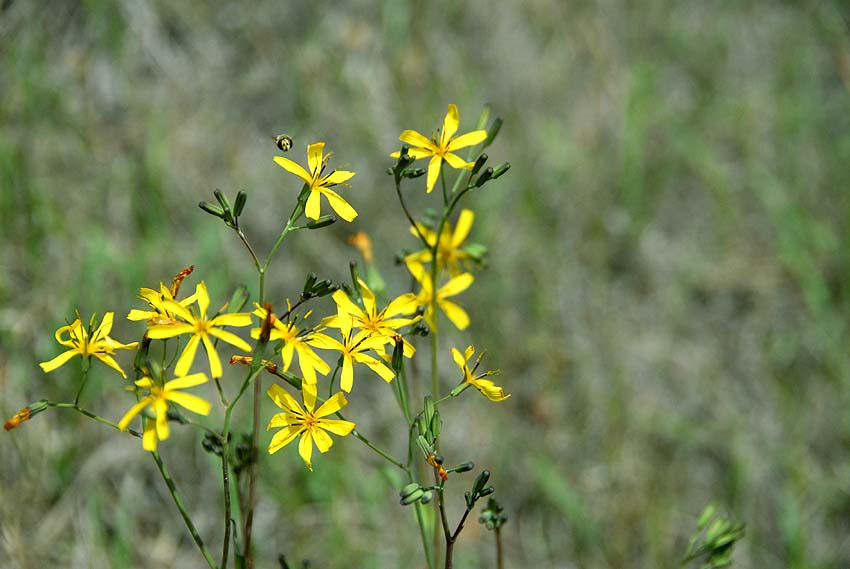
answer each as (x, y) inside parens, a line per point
(667, 292)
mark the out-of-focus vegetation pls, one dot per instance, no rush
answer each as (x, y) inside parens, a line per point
(667, 292)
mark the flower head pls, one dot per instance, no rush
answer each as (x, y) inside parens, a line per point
(156, 427)
(449, 253)
(487, 388)
(441, 148)
(87, 342)
(377, 323)
(310, 425)
(318, 184)
(353, 349)
(159, 313)
(295, 342)
(201, 328)
(454, 286)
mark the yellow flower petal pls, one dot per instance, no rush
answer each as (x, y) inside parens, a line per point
(149, 438)
(230, 338)
(457, 162)
(184, 382)
(468, 139)
(332, 405)
(346, 380)
(293, 168)
(283, 437)
(341, 207)
(456, 285)
(323, 441)
(464, 225)
(455, 314)
(336, 426)
(313, 208)
(305, 448)
(433, 173)
(134, 410)
(162, 430)
(450, 124)
(215, 362)
(337, 177)
(414, 138)
(191, 402)
(184, 363)
(110, 361)
(314, 157)
(62, 358)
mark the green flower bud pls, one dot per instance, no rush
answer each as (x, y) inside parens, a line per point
(463, 467)
(323, 221)
(493, 132)
(241, 198)
(308, 284)
(413, 173)
(427, 496)
(478, 164)
(413, 497)
(480, 481)
(501, 170)
(212, 209)
(486, 492)
(484, 177)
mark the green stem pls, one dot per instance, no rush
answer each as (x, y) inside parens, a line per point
(91, 415)
(499, 559)
(225, 476)
(178, 501)
(86, 367)
(383, 453)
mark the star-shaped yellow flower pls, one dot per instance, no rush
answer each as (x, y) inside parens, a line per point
(442, 149)
(455, 285)
(157, 399)
(487, 388)
(353, 348)
(159, 313)
(310, 425)
(320, 185)
(201, 328)
(295, 342)
(449, 254)
(84, 342)
(378, 323)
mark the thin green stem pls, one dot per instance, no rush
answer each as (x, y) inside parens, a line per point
(413, 223)
(178, 501)
(86, 366)
(443, 181)
(225, 477)
(248, 246)
(91, 415)
(499, 558)
(381, 452)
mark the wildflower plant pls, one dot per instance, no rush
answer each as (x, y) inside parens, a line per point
(306, 363)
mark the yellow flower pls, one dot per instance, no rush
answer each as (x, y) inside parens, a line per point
(157, 399)
(449, 254)
(378, 324)
(352, 348)
(320, 185)
(87, 343)
(310, 425)
(201, 328)
(294, 342)
(160, 314)
(442, 149)
(487, 388)
(455, 285)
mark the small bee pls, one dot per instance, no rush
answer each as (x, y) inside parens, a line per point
(283, 141)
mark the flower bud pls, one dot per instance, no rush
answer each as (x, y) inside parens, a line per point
(478, 164)
(413, 173)
(484, 177)
(398, 354)
(323, 221)
(225, 203)
(427, 496)
(486, 491)
(212, 209)
(241, 198)
(501, 170)
(479, 483)
(463, 467)
(493, 132)
(308, 284)
(460, 389)
(25, 414)
(413, 497)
